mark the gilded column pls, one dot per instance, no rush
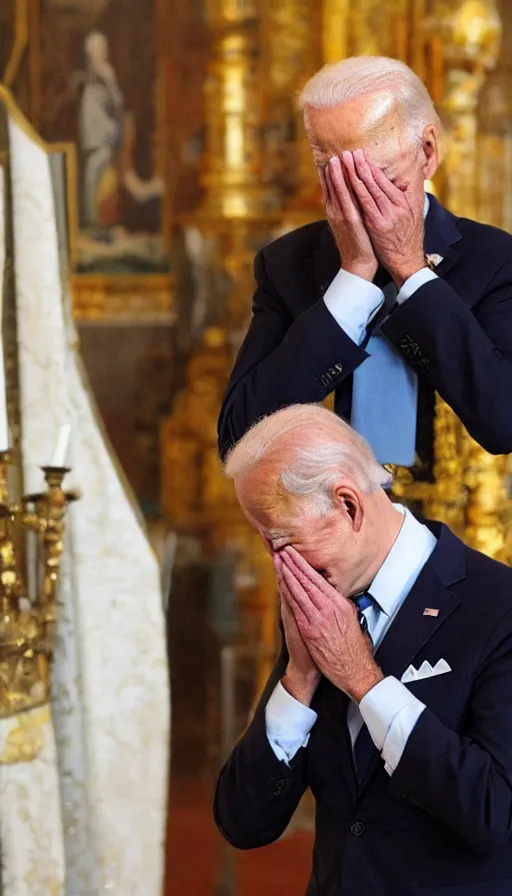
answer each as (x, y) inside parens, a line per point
(473, 32)
(238, 208)
(234, 99)
(335, 29)
(237, 215)
(494, 166)
(292, 52)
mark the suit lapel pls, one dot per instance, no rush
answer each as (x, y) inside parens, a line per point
(412, 629)
(441, 236)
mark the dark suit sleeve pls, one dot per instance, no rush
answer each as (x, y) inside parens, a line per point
(257, 794)
(467, 357)
(282, 361)
(465, 780)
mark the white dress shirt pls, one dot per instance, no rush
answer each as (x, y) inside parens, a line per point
(354, 302)
(389, 710)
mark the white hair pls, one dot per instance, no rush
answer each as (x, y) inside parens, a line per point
(330, 448)
(334, 85)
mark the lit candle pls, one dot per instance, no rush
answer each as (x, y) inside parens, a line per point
(4, 426)
(61, 448)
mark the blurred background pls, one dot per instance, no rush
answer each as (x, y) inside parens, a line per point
(185, 155)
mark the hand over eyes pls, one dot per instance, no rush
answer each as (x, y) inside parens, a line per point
(393, 217)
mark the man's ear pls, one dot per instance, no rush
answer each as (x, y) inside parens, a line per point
(430, 144)
(348, 500)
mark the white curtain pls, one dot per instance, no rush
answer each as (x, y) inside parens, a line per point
(105, 821)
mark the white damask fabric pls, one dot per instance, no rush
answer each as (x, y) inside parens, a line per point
(110, 679)
(31, 836)
(30, 818)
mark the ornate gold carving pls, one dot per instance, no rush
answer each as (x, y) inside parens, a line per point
(27, 622)
(373, 28)
(191, 473)
(473, 30)
(146, 298)
(469, 489)
(292, 52)
(237, 215)
(485, 479)
(234, 116)
(494, 164)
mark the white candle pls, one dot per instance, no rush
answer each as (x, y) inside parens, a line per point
(61, 448)
(4, 426)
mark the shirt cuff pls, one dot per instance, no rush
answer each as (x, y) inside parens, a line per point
(288, 723)
(390, 712)
(353, 302)
(413, 284)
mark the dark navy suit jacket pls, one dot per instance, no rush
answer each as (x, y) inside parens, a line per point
(456, 332)
(441, 825)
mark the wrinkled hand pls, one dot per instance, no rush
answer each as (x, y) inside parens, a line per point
(302, 675)
(346, 222)
(393, 217)
(329, 627)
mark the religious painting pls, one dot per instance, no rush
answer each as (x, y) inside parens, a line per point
(101, 87)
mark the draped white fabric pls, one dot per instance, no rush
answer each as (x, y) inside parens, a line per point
(110, 700)
(31, 837)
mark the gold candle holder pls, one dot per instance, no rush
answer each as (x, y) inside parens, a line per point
(27, 621)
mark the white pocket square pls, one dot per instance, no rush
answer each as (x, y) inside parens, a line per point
(425, 671)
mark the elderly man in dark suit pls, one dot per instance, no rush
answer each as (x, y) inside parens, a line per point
(391, 697)
(393, 298)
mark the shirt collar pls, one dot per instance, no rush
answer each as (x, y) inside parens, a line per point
(426, 206)
(402, 566)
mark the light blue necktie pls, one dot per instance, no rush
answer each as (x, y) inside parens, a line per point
(385, 399)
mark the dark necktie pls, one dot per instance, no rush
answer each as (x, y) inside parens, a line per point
(363, 747)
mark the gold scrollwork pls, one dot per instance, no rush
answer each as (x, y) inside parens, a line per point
(20, 43)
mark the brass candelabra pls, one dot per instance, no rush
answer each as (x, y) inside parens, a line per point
(31, 547)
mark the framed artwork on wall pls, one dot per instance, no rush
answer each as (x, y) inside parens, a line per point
(97, 79)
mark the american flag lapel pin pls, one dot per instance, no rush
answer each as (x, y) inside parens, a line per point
(431, 611)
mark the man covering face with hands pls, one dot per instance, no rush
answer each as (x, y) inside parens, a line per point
(390, 697)
(323, 633)
(392, 298)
